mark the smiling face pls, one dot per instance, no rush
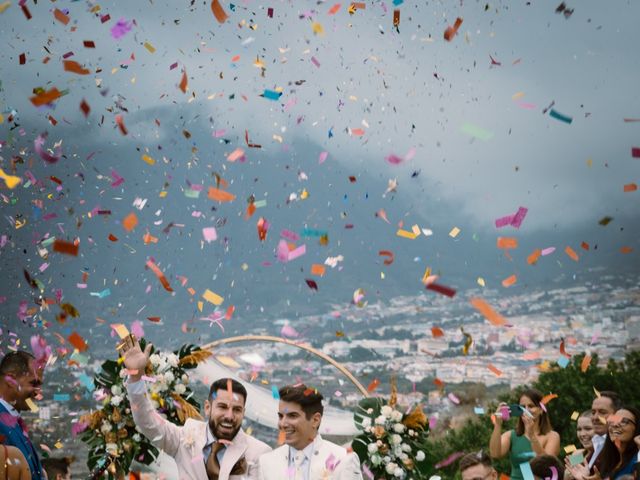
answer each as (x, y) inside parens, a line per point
(27, 386)
(299, 430)
(585, 431)
(601, 408)
(622, 426)
(226, 411)
(534, 409)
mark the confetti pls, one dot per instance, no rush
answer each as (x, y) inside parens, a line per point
(163, 280)
(218, 11)
(489, 313)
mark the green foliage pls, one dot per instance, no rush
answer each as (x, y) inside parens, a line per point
(575, 390)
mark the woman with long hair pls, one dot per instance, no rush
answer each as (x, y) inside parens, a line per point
(584, 432)
(533, 434)
(620, 452)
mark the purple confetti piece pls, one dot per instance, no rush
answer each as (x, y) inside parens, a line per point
(38, 145)
(393, 159)
(518, 218)
(315, 62)
(120, 29)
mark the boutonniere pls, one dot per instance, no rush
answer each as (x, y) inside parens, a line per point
(190, 442)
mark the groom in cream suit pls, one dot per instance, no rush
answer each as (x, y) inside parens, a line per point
(306, 455)
(215, 450)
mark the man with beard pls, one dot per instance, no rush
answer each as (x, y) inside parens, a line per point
(20, 383)
(216, 450)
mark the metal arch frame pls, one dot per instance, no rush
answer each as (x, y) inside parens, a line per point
(269, 338)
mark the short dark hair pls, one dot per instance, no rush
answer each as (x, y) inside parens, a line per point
(541, 466)
(309, 399)
(226, 384)
(16, 363)
(616, 401)
(57, 465)
(473, 459)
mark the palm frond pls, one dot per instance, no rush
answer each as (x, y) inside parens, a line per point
(195, 357)
(185, 409)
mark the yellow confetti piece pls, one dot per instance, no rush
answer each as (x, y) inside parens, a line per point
(304, 195)
(244, 267)
(227, 361)
(1, 118)
(211, 297)
(454, 232)
(163, 194)
(416, 230)
(4, 6)
(317, 28)
(200, 305)
(406, 234)
(148, 159)
(382, 275)
(149, 47)
(58, 445)
(575, 415)
(32, 406)
(517, 96)
(121, 330)
(481, 281)
(427, 273)
(10, 180)
(596, 392)
(570, 449)
(589, 162)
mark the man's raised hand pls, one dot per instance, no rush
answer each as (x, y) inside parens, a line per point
(135, 360)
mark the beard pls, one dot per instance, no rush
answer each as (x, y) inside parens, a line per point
(222, 435)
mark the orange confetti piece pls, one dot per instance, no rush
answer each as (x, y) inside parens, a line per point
(121, 126)
(495, 370)
(626, 250)
(507, 282)
(531, 356)
(43, 98)
(154, 319)
(75, 67)
(218, 11)
(68, 248)
(130, 222)
(220, 195)
(533, 258)
(184, 82)
(630, 187)
(163, 280)
(61, 17)
(489, 313)
(317, 269)
(388, 254)
(451, 31)
(547, 398)
(77, 341)
(112, 237)
(229, 314)
(504, 476)
(358, 132)
(586, 362)
(251, 209)
(148, 238)
(572, 254)
(585, 246)
(507, 242)
(235, 58)
(373, 385)
(438, 383)
(437, 332)
(333, 10)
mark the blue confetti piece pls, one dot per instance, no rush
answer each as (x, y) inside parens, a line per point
(104, 293)
(563, 362)
(274, 392)
(478, 410)
(527, 474)
(87, 381)
(272, 95)
(560, 116)
(61, 397)
(398, 2)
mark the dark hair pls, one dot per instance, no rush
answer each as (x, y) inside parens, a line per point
(541, 466)
(57, 465)
(473, 459)
(226, 384)
(309, 399)
(544, 424)
(16, 363)
(610, 459)
(616, 401)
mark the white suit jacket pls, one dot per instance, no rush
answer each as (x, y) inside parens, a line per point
(328, 462)
(185, 443)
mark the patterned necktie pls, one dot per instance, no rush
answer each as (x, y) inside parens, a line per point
(213, 466)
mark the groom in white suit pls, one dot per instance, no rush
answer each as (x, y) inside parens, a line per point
(306, 455)
(215, 450)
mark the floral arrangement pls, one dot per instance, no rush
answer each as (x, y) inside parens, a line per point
(392, 444)
(110, 432)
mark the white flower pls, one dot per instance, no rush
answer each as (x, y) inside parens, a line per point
(397, 452)
(376, 459)
(169, 377)
(180, 389)
(372, 448)
(106, 427)
(391, 468)
(136, 437)
(420, 455)
(381, 420)
(386, 459)
(406, 447)
(172, 359)
(396, 439)
(184, 378)
(396, 416)
(398, 428)
(116, 390)
(386, 411)
(366, 422)
(398, 472)
(369, 411)
(155, 359)
(116, 400)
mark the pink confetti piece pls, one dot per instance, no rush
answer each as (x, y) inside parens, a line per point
(38, 145)
(148, 379)
(315, 62)
(117, 179)
(209, 234)
(298, 252)
(219, 133)
(393, 159)
(433, 421)
(289, 332)
(449, 460)
(136, 329)
(121, 28)
(289, 235)
(548, 251)
(323, 156)
(453, 398)
(237, 154)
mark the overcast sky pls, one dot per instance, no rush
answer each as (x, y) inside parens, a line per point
(437, 133)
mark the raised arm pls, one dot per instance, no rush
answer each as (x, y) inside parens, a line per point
(500, 443)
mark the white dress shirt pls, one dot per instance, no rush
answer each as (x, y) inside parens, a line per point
(306, 463)
(9, 407)
(598, 443)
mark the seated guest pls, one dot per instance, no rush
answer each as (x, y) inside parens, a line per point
(532, 436)
(585, 432)
(306, 455)
(477, 466)
(13, 465)
(620, 452)
(543, 466)
(58, 468)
